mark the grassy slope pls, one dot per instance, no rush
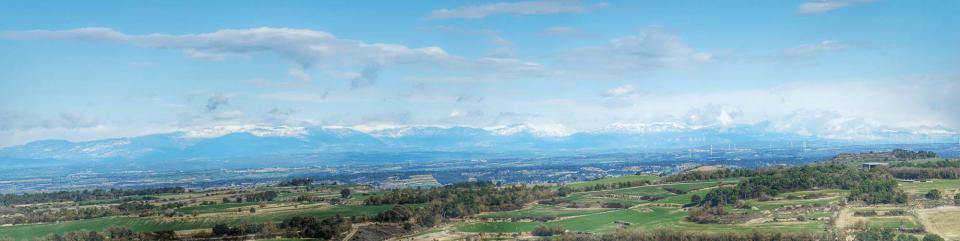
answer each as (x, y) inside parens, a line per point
(542, 211)
(27, 232)
(948, 185)
(611, 180)
(644, 220)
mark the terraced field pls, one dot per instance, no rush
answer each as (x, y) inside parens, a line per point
(648, 215)
(892, 222)
(948, 186)
(543, 211)
(612, 180)
(149, 224)
(641, 219)
(632, 196)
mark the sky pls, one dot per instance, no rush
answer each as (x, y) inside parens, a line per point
(842, 69)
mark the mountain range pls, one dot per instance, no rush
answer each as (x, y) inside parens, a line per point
(254, 141)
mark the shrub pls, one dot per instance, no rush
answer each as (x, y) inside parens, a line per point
(544, 231)
(932, 237)
(933, 194)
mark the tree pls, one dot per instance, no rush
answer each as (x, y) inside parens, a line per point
(933, 194)
(906, 237)
(221, 230)
(345, 193)
(932, 237)
(253, 210)
(956, 199)
(544, 231)
(695, 198)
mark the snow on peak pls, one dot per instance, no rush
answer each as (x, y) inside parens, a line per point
(541, 130)
(620, 127)
(256, 130)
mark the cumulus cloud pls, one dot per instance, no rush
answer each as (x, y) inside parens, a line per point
(216, 101)
(515, 8)
(828, 124)
(714, 116)
(822, 6)
(618, 97)
(653, 48)
(307, 48)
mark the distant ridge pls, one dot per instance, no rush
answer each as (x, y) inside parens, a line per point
(251, 140)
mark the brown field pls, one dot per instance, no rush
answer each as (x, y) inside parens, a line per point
(944, 221)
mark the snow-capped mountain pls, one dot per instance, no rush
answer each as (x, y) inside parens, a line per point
(253, 141)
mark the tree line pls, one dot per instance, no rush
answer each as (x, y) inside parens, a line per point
(82, 195)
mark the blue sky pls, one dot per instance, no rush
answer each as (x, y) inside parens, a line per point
(844, 69)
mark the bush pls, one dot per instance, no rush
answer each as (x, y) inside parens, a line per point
(897, 212)
(933, 194)
(544, 231)
(705, 215)
(868, 213)
(613, 205)
(932, 237)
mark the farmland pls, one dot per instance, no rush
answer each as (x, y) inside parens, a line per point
(633, 203)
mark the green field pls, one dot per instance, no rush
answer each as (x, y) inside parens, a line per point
(648, 217)
(149, 224)
(543, 211)
(641, 219)
(612, 180)
(948, 185)
(588, 223)
(891, 222)
(833, 196)
(221, 207)
(631, 196)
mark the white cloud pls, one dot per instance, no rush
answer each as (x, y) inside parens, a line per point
(653, 48)
(712, 115)
(822, 6)
(256, 130)
(619, 97)
(514, 8)
(828, 124)
(620, 91)
(307, 48)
